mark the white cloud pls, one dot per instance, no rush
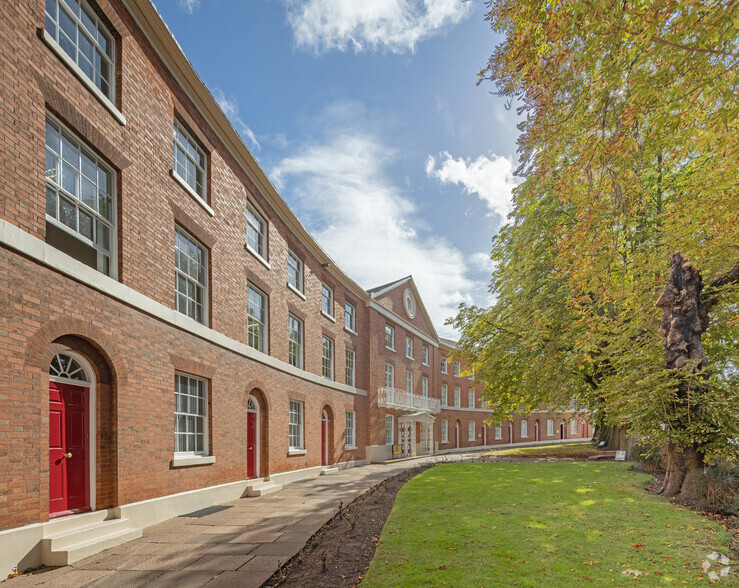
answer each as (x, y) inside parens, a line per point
(188, 6)
(392, 25)
(231, 109)
(491, 178)
(482, 262)
(368, 225)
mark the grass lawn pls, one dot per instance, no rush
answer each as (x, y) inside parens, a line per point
(539, 524)
(575, 450)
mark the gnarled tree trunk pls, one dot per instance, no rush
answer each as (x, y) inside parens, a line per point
(681, 329)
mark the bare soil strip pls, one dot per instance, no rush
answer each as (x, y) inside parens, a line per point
(341, 551)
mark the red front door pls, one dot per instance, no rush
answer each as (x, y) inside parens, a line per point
(324, 442)
(69, 472)
(251, 445)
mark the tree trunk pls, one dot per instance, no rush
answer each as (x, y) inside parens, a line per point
(679, 465)
(681, 329)
(615, 437)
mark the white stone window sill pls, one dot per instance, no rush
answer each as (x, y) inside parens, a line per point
(84, 79)
(390, 348)
(350, 447)
(348, 330)
(260, 259)
(296, 452)
(192, 192)
(408, 356)
(179, 462)
(424, 364)
(298, 292)
(328, 316)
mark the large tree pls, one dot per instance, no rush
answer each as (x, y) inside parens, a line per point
(629, 147)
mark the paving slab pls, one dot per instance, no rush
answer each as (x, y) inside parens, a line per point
(241, 543)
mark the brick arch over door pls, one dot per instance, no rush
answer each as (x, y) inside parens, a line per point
(261, 398)
(109, 370)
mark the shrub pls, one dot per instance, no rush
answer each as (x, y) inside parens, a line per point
(721, 489)
(649, 457)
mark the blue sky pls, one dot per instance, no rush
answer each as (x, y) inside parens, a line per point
(366, 116)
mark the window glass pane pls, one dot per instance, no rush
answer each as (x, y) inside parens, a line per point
(50, 202)
(68, 213)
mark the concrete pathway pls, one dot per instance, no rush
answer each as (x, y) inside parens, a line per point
(239, 543)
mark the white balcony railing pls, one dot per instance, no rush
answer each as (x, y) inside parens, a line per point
(392, 398)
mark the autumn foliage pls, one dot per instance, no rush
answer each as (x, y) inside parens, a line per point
(629, 150)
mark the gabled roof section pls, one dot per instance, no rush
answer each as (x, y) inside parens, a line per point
(395, 290)
(451, 343)
(380, 290)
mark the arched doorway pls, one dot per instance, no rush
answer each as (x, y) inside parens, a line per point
(72, 421)
(510, 432)
(324, 438)
(562, 430)
(252, 437)
(536, 430)
(456, 434)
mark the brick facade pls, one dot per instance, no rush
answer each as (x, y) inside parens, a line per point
(125, 325)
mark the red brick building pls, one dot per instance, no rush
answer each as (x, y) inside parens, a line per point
(170, 334)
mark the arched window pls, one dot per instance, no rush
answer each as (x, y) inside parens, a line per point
(251, 405)
(66, 366)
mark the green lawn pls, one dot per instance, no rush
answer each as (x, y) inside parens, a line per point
(575, 450)
(539, 524)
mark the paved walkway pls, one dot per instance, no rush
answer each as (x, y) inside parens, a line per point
(239, 543)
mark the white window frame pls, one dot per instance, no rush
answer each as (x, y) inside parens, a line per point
(295, 330)
(389, 375)
(471, 398)
(524, 429)
(327, 359)
(351, 430)
(327, 300)
(409, 381)
(424, 387)
(256, 231)
(55, 184)
(424, 355)
(179, 274)
(444, 431)
(472, 375)
(550, 427)
(457, 369)
(262, 326)
(389, 430)
(444, 395)
(471, 431)
(101, 30)
(295, 437)
(185, 416)
(294, 271)
(185, 149)
(389, 337)
(409, 347)
(350, 317)
(457, 397)
(444, 366)
(350, 366)
(498, 431)
(573, 427)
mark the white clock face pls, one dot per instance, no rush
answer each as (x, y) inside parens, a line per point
(410, 303)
